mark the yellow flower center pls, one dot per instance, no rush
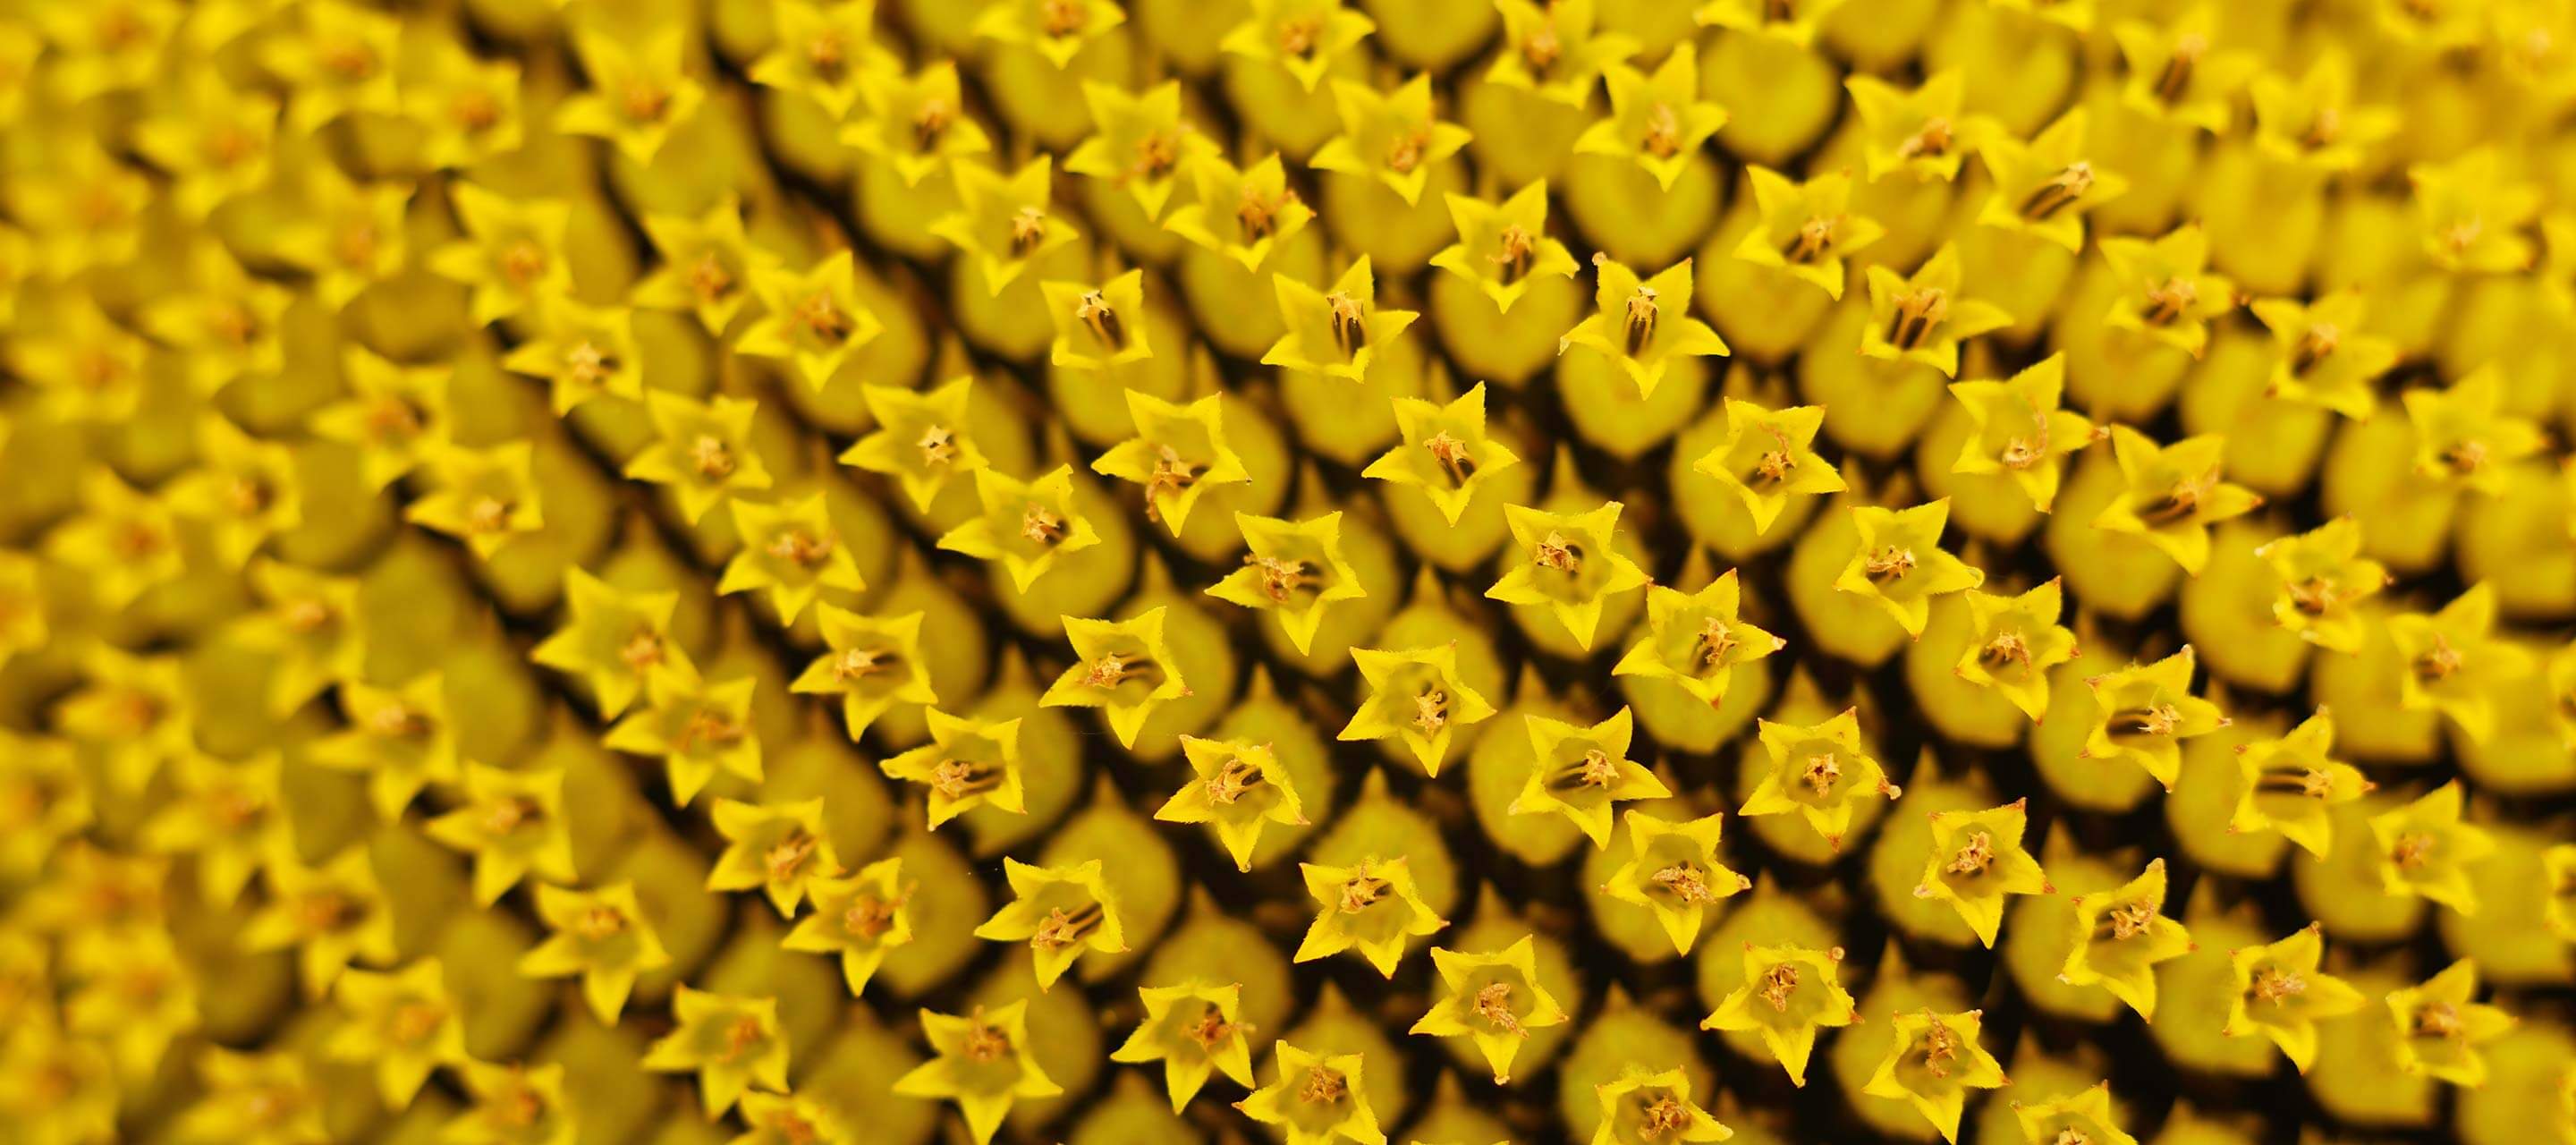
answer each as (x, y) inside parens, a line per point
(1918, 312)
(1973, 858)
(1063, 928)
(1493, 1003)
(2059, 192)
(1778, 984)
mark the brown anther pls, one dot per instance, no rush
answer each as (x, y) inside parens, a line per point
(323, 911)
(1917, 313)
(1256, 214)
(710, 727)
(2438, 1020)
(2167, 301)
(390, 419)
(2059, 192)
(1350, 322)
(1231, 782)
(2277, 986)
(938, 445)
(1061, 18)
(2465, 456)
(1715, 641)
(2071, 1136)
(711, 457)
(1112, 669)
(1493, 1003)
(1430, 711)
(787, 855)
(599, 923)
(1778, 983)
(397, 721)
(2178, 503)
(643, 649)
(2324, 127)
(348, 59)
(1973, 858)
(1452, 455)
(1683, 881)
(234, 809)
(1542, 47)
(1171, 474)
(1665, 1116)
(1638, 325)
(1298, 37)
(2151, 720)
(1156, 152)
(929, 122)
(708, 278)
(2317, 341)
(1554, 551)
(506, 815)
(1822, 772)
(828, 55)
(646, 102)
(1888, 564)
(474, 109)
(1062, 928)
(1517, 247)
(1209, 1030)
(868, 916)
(819, 315)
(1940, 1048)
(983, 1043)
(248, 495)
(1663, 138)
(1405, 151)
(2414, 849)
(413, 1022)
(587, 363)
(523, 262)
(1813, 242)
(859, 663)
(2006, 650)
(800, 548)
(1361, 891)
(2174, 82)
(1930, 141)
(1323, 1086)
(740, 1037)
(2439, 662)
(1280, 579)
(1095, 312)
(1597, 769)
(1041, 524)
(958, 778)
(2130, 920)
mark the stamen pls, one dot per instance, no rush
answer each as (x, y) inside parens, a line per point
(2309, 782)
(397, 721)
(1063, 928)
(958, 778)
(1210, 1030)
(1683, 881)
(1778, 983)
(2059, 192)
(820, 316)
(1062, 18)
(788, 854)
(1405, 152)
(2129, 920)
(2167, 301)
(2439, 662)
(2465, 456)
(2151, 720)
(1323, 1086)
(1974, 858)
(1917, 312)
(523, 262)
(1663, 138)
(1350, 322)
(1940, 1048)
(1361, 891)
(1640, 324)
(929, 122)
(859, 663)
(505, 816)
(1930, 141)
(1095, 312)
(1494, 1004)
(1171, 474)
(711, 458)
(1156, 152)
(1715, 641)
(1554, 551)
(2006, 650)
(709, 279)
(1232, 782)
(2438, 1020)
(1430, 711)
(2277, 986)
(1028, 229)
(869, 917)
(800, 548)
(1452, 455)
(1823, 770)
(1665, 1116)
(2174, 82)
(1298, 37)
(710, 727)
(588, 364)
(599, 924)
(828, 56)
(646, 102)
(2413, 850)
(2319, 340)
(1813, 242)
(1542, 47)
(984, 1044)
(642, 650)
(1041, 525)
(2178, 503)
(1280, 579)
(938, 446)
(1112, 669)
(1257, 215)
(1518, 248)
(1891, 563)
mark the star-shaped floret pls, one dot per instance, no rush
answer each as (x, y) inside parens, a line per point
(2426, 848)
(1977, 861)
(2013, 642)
(1241, 213)
(2016, 429)
(1657, 119)
(2278, 992)
(1025, 525)
(1140, 143)
(2322, 575)
(1371, 906)
(2290, 784)
(1643, 324)
(1004, 221)
(2173, 494)
(1934, 1062)
(1806, 228)
(1697, 639)
(1503, 248)
(859, 917)
(2120, 935)
(1566, 563)
(1415, 695)
(1673, 871)
(2144, 711)
(1178, 453)
(1493, 999)
(1583, 773)
(981, 1061)
(916, 124)
(1914, 132)
(1195, 1029)
(1768, 457)
(1097, 326)
(1295, 569)
(967, 764)
(1060, 912)
(1304, 37)
(698, 727)
(1899, 564)
(2043, 187)
(702, 450)
(781, 848)
(2440, 1024)
(791, 549)
(1235, 787)
(813, 319)
(602, 935)
(1818, 771)
(1555, 50)
(1122, 667)
(1789, 993)
(2166, 290)
(1923, 318)
(1318, 1099)
(874, 664)
(617, 640)
(2320, 355)
(1335, 333)
(1390, 137)
(2455, 662)
(2463, 435)
(513, 823)
(921, 440)
(1446, 452)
